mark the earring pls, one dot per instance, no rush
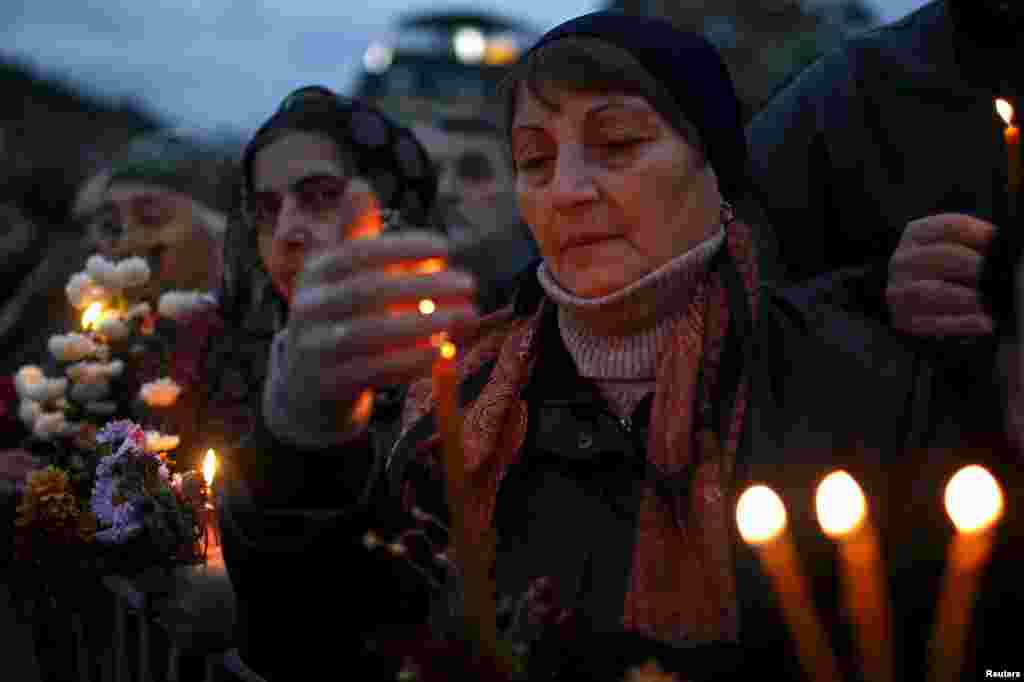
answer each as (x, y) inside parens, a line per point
(728, 214)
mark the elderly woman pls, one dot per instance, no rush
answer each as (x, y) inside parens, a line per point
(611, 415)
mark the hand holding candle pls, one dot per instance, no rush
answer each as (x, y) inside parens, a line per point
(358, 322)
(761, 517)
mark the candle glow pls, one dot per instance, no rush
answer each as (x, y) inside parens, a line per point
(427, 307)
(974, 500)
(209, 467)
(840, 504)
(1005, 111)
(760, 514)
(92, 316)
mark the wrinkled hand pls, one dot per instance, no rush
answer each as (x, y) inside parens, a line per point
(355, 323)
(933, 277)
(16, 463)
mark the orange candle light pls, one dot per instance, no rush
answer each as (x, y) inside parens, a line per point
(761, 517)
(209, 511)
(92, 316)
(1011, 135)
(843, 515)
(974, 502)
(473, 555)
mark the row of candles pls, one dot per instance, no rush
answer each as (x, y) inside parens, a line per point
(974, 502)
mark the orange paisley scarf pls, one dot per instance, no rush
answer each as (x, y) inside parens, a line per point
(682, 584)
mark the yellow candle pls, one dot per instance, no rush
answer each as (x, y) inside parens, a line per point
(1011, 136)
(842, 513)
(473, 555)
(761, 517)
(974, 502)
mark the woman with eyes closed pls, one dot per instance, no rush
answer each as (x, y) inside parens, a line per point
(612, 415)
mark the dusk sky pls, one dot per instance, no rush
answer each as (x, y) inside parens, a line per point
(226, 63)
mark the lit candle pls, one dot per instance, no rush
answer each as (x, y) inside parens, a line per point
(1011, 135)
(974, 502)
(842, 513)
(472, 554)
(92, 316)
(761, 517)
(209, 511)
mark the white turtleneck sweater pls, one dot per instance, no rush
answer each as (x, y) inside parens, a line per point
(614, 339)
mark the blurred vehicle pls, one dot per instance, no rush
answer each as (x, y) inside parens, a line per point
(440, 63)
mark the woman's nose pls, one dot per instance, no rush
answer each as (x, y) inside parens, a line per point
(292, 230)
(572, 182)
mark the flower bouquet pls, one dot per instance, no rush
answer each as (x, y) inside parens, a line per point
(98, 415)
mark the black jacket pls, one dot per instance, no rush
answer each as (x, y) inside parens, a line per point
(829, 390)
(897, 124)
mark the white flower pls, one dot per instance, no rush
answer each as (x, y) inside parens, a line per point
(113, 329)
(138, 310)
(133, 272)
(160, 393)
(72, 347)
(48, 425)
(56, 389)
(30, 383)
(82, 291)
(94, 372)
(28, 411)
(102, 271)
(159, 442)
(178, 304)
(101, 408)
(92, 392)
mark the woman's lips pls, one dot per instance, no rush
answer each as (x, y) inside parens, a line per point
(577, 241)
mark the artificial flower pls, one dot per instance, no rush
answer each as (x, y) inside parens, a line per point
(138, 310)
(160, 393)
(113, 329)
(94, 372)
(82, 291)
(28, 411)
(30, 383)
(177, 305)
(48, 425)
(102, 271)
(133, 272)
(72, 347)
(160, 442)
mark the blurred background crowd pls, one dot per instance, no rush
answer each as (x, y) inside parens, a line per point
(80, 83)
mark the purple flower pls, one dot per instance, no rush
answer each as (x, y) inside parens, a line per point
(122, 431)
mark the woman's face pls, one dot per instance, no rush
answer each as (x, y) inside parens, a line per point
(609, 188)
(164, 227)
(304, 200)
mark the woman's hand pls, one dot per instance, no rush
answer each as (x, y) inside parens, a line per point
(356, 324)
(933, 277)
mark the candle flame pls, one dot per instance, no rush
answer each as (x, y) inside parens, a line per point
(430, 265)
(448, 350)
(974, 500)
(760, 515)
(209, 467)
(427, 307)
(1005, 110)
(92, 316)
(840, 504)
